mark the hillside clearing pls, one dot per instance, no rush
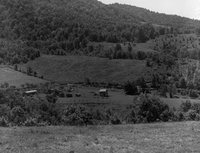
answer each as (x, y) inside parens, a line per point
(15, 78)
(78, 68)
(141, 138)
(145, 47)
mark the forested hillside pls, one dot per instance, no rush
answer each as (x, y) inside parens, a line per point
(67, 27)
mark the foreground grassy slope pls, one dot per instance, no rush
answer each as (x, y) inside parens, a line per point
(142, 138)
(77, 68)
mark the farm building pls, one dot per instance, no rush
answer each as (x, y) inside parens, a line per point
(30, 92)
(103, 92)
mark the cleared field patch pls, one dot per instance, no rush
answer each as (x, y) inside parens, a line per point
(145, 47)
(16, 78)
(176, 102)
(78, 68)
(141, 138)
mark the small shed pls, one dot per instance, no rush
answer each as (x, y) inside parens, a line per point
(103, 92)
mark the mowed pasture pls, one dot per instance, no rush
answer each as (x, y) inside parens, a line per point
(78, 68)
(182, 137)
(15, 78)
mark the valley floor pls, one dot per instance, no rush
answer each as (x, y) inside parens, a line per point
(142, 138)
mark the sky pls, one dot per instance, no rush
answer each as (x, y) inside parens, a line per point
(186, 8)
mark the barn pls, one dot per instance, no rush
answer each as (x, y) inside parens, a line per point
(103, 92)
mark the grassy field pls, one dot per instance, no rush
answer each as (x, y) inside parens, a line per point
(77, 68)
(16, 78)
(145, 47)
(142, 138)
(176, 102)
(116, 97)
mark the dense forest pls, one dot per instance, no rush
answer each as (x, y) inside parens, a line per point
(61, 27)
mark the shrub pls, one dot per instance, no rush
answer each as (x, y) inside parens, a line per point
(130, 117)
(163, 90)
(112, 116)
(17, 115)
(185, 106)
(148, 62)
(182, 83)
(178, 116)
(166, 115)
(197, 117)
(191, 115)
(99, 117)
(193, 94)
(3, 122)
(141, 55)
(49, 113)
(51, 98)
(196, 107)
(29, 71)
(114, 119)
(151, 108)
(77, 115)
(4, 110)
(130, 88)
(30, 122)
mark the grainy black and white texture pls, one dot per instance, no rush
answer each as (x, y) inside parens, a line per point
(85, 76)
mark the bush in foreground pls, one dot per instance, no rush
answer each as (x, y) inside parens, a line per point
(153, 109)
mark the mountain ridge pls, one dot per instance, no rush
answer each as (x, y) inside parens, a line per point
(152, 14)
(129, 12)
(61, 27)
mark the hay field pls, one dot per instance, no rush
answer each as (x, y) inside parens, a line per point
(77, 68)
